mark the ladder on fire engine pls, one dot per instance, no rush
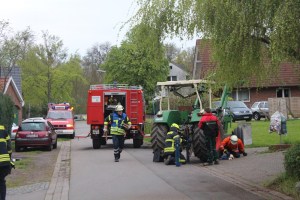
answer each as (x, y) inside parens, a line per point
(134, 107)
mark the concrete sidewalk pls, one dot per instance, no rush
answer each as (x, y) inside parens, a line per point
(249, 172)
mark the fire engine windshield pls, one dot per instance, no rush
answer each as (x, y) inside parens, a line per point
(59, 115)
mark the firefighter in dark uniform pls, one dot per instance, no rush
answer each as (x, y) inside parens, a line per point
(5, 160)
(210, 124)
(119, 124)
(169, 150)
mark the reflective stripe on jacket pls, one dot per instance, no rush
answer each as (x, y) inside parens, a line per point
(170, 141)
(117, 122)
(5, 147)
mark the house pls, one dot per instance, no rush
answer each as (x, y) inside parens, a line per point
(177, 72)
(286, 85)
(9, 87)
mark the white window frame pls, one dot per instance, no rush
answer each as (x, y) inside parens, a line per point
(236, 94)
(282, 92)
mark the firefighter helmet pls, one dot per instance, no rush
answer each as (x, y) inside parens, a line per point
(175, 125)
(119, 108)
(233, 139)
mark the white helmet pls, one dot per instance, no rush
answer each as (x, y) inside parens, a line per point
(119, 108)
(233, 139)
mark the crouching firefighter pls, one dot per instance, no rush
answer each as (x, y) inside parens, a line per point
(5, 160)
(169, 150)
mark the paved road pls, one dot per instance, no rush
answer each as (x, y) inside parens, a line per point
(85, 173)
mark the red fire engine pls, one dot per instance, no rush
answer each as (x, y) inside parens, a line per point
(62, 118)
(101, 102)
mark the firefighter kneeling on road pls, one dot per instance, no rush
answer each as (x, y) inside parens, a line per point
(231, 147)
(169, 150)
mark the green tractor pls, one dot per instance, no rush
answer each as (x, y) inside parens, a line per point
(187, 119)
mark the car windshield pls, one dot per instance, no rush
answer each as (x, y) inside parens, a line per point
(236, 104)
(255, 105)
(33, 126)
(59, 115)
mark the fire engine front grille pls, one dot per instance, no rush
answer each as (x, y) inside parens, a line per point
(60, 126)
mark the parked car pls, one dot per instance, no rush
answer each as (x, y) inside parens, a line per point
(36, 132)
(14, 129)
(237, 109)
(260, 109)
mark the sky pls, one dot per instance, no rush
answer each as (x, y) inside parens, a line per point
(80, 24)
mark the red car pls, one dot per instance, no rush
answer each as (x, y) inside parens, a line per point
(36, 132)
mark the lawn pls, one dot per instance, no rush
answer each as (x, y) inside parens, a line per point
(262, 138)
(260, 133)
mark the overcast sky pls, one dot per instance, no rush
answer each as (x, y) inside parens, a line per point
(79, 23)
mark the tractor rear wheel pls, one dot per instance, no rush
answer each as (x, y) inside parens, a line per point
(158, 135)
(199, 144)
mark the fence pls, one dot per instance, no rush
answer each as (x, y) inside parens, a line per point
(289, 107)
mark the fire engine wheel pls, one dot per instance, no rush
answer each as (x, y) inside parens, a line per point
(96, 143)
(137, 143)
(199, 146)
(158, 135)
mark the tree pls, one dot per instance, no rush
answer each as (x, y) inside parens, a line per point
(249, 38)
(171, 51)
(13, 47)
(140, 60)
(96, 55)
(6, 110)
(186, 58)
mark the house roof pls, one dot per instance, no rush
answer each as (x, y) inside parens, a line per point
(5, 84)
(179, 66)
(287, 75)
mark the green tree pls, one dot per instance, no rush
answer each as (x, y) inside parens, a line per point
(140, 60)
(6, 110)
(242, 33)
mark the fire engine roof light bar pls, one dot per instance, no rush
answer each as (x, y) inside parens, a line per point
(114, 86)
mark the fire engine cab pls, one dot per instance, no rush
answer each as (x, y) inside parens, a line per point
(102, 101)
(62, 118)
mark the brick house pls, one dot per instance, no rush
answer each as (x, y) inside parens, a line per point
(9, 87)
(286, 85)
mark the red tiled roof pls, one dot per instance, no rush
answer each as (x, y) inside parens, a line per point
(288, 75)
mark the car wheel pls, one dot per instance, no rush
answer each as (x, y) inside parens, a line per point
(55, 144)
(49, 147)
(256, 116)
(17, 148)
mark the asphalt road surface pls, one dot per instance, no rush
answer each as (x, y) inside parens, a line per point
(95, 175)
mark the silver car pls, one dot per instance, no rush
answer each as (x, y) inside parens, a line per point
(260, 109)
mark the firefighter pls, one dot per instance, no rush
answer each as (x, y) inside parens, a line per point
(112, 100)
(5, 160)
(119, 124)
(210, 124)
(232, 145)
(169, 150)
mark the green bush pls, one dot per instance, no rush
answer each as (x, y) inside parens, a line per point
(292, 161)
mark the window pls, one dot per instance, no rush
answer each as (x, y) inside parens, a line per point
(170, 66)
(172, 78)
(241, 95)
(283, 92)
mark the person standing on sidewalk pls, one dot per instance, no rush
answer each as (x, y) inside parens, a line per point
(5, 160)
(210, 124)
(119, 123)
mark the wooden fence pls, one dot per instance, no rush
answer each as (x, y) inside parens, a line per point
(289, 107)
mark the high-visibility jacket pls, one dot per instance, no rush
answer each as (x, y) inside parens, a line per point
(5, 147)
(238, 147)
(117, 121)
(170, 141)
